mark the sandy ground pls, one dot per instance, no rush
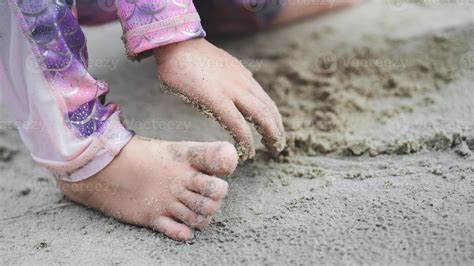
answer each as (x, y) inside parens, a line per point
(378, 103)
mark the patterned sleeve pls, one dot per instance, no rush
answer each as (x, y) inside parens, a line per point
(45, 82)
(148, 24)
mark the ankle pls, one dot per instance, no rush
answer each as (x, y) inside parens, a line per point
(83, 190)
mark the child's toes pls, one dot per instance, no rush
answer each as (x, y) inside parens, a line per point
(208, 186)
(187, 216)
(218, 158)
(198, 203)
(171, 228)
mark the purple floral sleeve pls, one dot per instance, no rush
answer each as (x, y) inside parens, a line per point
(46, 64)
(148, 24)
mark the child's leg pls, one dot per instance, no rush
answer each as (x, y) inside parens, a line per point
(63, 121)
(58, 105)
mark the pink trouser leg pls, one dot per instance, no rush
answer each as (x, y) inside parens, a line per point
(47, 88)
(45, 84)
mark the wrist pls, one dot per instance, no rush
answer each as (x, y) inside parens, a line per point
(164, 53)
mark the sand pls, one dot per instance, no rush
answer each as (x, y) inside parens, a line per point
(378, 105)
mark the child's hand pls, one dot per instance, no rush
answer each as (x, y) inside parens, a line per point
(215, 80)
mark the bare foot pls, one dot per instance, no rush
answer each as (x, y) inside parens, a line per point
(167, 186)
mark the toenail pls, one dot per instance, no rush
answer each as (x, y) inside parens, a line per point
(200, 220)
(201, 205)
(156, 223)
(229, 158)
(210, 187)
(183, 236)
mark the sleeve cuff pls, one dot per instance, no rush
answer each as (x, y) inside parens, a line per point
(174, 26)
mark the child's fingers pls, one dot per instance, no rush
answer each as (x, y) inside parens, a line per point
(263, 96)
(260, 115)
(257, 91)
(171, 228)
(234, 122)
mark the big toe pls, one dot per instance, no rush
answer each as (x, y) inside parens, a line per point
(217, 158)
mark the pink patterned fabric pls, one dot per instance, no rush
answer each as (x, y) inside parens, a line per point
(45, 79)
(218, 17)
(148, 24)
(43, 73)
